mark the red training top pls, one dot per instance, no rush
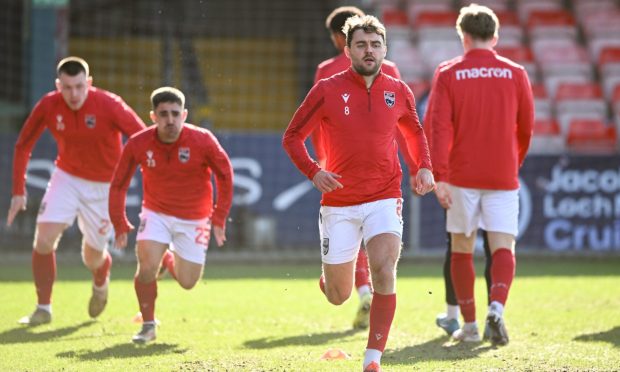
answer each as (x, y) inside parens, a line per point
(176, 177)
(359, 128)
(89, 139)
(339, 64)
(481, 118)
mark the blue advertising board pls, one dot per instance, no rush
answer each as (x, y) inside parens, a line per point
(568, 203)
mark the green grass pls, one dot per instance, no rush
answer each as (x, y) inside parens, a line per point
(562, 314)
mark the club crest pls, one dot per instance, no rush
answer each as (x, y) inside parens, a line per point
(184, 154)
(90, 121)
(390, 98)
(60, 125)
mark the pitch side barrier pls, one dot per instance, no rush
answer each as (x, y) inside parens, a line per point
(568, 203)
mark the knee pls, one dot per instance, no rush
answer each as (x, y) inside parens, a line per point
(383, 276)
(44, 244)
(337, 296)
(147, 273)
(187, 283)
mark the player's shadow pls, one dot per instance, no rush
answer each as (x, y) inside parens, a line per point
(439, 348)
(305, 339)
(612, 336)
(25, 334)
(123, 350)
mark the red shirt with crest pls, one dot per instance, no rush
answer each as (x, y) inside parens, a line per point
(89, 140)
(176, 177)
(359, 128)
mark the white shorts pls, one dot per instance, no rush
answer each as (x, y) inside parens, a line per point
(491, 210)
(343, 228)
(188, 238)
(68, 197)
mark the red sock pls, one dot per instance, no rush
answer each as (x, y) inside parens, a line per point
(44, 273)
(382, 312)
(322, 283)
(147, 293)
(168, 263)
(101, 274)
(502, 273)
(463, 277)
(362, 274)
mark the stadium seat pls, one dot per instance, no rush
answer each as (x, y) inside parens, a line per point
(591, 137)
(562, 61)
(408, 59)
(609, 68)
(551, 24)
(435, 25)
(579, 101)
(600, 22)
(584, 8)
(542, 103)
(510, 31)
(414, 8)
(547, 138)
(525, 7)
(495, 5)
(396, 23)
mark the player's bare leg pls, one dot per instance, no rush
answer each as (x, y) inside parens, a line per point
(463, 279)
(502, 273)
(187, 273)
(364, 291)
(383, 253)
(46, 239)
(338, 281)
(149, 254)
(99, 263)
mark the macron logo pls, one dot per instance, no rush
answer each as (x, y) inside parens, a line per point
(345, 97)
(484, 72)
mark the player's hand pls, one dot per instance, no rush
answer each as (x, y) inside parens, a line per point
(424, 181)
(220, 235)
(18, 203)
(326, 181)
(444, 197)
(120, 241)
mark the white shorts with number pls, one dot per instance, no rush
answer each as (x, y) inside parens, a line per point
(68, 197)
(188, 238)
(343, 228)
(491, 210)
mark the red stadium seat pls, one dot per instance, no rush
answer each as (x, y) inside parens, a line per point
(526, 7)
(574, 100)
(547, 138)
(510, 31)
(542, 102)
(552, 24)
(394, 17)
(609, 67)
(591, 136)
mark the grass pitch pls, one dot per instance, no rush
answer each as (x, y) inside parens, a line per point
(562, 314)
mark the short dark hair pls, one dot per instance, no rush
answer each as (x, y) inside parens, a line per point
(167, 94)
(336, 19)
(368, 23)
(72, 66)
(478, 21)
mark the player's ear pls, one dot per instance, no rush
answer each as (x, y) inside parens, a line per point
(89, 81)
(57, 82)
(185, 113)
(347, 51)
(152, 116)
